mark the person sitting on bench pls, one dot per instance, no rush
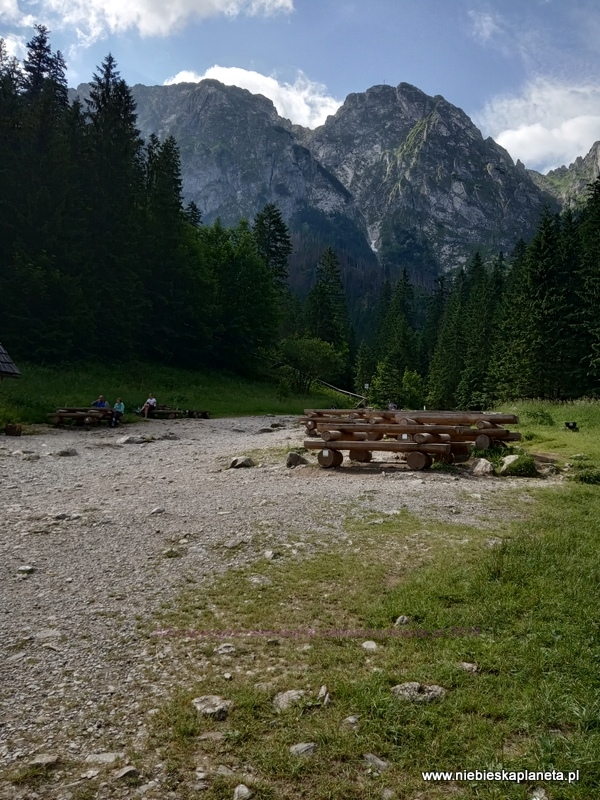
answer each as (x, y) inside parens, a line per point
(117, 412)
(148, 405)
(100, 402)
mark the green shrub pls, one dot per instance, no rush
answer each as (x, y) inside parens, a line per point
(538, 416)
(590, 475)
(523, 467)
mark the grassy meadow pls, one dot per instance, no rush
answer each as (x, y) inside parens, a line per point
(526, 581)
(533, 703)
(42, 389)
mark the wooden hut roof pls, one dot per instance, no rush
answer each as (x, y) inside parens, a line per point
(7, 366)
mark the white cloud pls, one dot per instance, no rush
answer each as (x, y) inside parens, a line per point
(15, 45)
(303, 102)
(92, 19)
(484, 25)
(549, 124)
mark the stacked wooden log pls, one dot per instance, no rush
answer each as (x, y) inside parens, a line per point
(80, 415)
(421, 436)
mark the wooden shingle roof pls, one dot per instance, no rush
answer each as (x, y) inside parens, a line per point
(7, 366)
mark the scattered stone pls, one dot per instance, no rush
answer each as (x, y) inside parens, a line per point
(168, 437)
(278, 425)
(45, 760)
(242, 792)
(68, 452)
(269, 555)
(104, 758)
(506, 462)
(31, 457)
(211, 736)
(171, 552)
(376, 762)
(273, 642)
(481, 466)
(370, 646)
(303, 749)
(539, 793)
(242, 461)
(285, 700)
(225, 649)
(26, 569)
(226, 772)
(135, 439)
(265, 430)
(295, 460)
(230, 544)
(127, 772)
(263, 686)
(156, 511)
(387, 794)
(91, 773)
(417, 692)
(48, 633)
(324, 696)
(212, 705)
(351, 721)
(402, 620)
(468, 666)
(227, 676)
(494, 542)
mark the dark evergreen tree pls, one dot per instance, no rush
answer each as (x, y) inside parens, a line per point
(589, 287)
(273, 241)
(326, 304)
(449, 355)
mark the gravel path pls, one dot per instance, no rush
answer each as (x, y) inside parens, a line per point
(95, 527)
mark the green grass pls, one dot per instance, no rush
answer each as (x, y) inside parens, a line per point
(533, 704)
(543, 427)
(42, 389)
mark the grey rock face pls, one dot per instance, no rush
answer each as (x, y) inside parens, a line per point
(418, 163)
(400, 167)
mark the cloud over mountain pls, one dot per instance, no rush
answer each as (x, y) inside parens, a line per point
(304, 102)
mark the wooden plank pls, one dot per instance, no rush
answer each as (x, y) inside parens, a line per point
(388, 446)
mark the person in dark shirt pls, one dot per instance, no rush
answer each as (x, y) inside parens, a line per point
(100, 402)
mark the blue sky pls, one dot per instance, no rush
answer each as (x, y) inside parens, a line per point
(526, 71)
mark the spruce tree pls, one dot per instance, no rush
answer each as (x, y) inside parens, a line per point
(273, 241)
(327, 311)
(448, 358)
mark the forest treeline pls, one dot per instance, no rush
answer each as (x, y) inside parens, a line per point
(100, 259)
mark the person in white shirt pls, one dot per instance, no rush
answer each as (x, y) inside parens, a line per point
(150, 403)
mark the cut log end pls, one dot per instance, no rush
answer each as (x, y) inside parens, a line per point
(330, 458)
(364, 456)
(418, 461)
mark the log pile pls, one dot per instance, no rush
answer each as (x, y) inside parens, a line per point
(421, 436)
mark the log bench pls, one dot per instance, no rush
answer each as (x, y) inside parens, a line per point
(80, 415)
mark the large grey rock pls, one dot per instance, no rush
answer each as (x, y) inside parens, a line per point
(417, 692)
(211, 705)
(294, 460)
(241, 461)
(506, 462)
(104, 758)
(45, 760)
(481, 466)
(242, 792)
(376, 762)
(285, 700)
(303, 749)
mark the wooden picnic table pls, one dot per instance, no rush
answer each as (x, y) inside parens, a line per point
(80, 415)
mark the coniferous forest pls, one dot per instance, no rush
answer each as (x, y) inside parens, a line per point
(100, 259)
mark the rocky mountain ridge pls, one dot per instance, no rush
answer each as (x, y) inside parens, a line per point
(569, 184)
(394, 172)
